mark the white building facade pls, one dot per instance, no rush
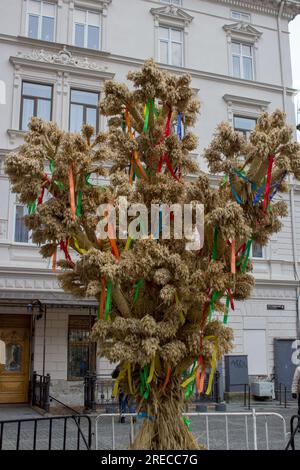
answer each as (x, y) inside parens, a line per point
(55, 57)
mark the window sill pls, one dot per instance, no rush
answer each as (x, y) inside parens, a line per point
(15, 134)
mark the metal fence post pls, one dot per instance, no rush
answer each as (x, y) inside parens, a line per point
(254, 429)
(33, 398)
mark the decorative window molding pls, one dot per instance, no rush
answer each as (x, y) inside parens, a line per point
(172, 17)
(243, 106)
(62, 70)
(246, 34)
(97, 6)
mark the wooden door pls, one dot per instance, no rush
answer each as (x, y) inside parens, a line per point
(14, 375)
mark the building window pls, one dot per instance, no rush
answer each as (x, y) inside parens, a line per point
(240, 16)
(40, 20)
(22, 234)
(83, 110)
(81, 352)
(257, 250)
(36, 101)
(244, 125)
(87, 29)
(172, 2)
(242, 60)
(170, 46)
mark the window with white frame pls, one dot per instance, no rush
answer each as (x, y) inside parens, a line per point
(240, 16)
(173, 2)
(22, 234)
(40, 20)
(245, 125)
(87, 29)
(242, 60)
(171, 46)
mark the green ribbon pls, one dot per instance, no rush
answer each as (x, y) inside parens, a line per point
(108, 300)
(137, 286)
(187, 422)
(225, 320)
(31, 206)
(87, 180)
(123, 123)
(147, 113)
(215, 245)
(247, 254)
(52, 165)
(144, 386)
(224, 182)
(191, 386)
(79, 203)
(60, 185)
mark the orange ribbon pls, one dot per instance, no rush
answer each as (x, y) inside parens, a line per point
(233, 258)
(166, 379)
(72, 193)
(54, 257)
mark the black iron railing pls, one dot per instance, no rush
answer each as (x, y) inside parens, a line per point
(41, 391)
(294, 430)
(45, 434)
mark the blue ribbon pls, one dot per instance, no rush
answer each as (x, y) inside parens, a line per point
(179, 126)
(144, 415)
(235, 193)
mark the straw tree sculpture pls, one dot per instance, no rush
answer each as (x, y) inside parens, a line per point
(163, 309)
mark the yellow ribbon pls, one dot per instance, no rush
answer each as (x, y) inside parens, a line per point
(82, 251)
(118, 380)
(213, 368)
(190, 379)
(128, 243)
(151, 373)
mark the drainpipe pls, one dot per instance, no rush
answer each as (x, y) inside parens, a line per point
(292, 195)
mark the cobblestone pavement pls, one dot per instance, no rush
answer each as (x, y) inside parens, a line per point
(240, 436)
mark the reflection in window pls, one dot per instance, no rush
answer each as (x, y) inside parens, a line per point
(242, 60)
(40, 20)
(240, 16)
(36, 101)
(87, 29)
(257, 250)
(170, 46)
(81, 355)
(22, 234)
(83, 110)
(13, 357)
(244, 125)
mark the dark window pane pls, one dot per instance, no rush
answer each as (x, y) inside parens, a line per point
(33, 26)
(28, 107)
(44, 110)
(91, 117)
(79, 35)
(84, 97)
(76, 117)
(93, 37)
(13, 357)
(21, 231)
(257, 250)
(47, 28)
(37, 90)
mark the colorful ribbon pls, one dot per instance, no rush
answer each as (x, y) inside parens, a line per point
(108, 300)
(268, 183)
(215, 245)
(72, 193)
(137, 286)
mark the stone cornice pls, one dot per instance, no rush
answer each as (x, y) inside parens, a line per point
(269, 7)
(243, 30)
(171, 12)
(63, 59)
(242, 100)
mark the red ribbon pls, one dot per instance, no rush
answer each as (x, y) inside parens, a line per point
(268, 183)
(64, 248)
(41, 196)
(231, 299)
